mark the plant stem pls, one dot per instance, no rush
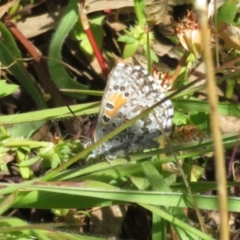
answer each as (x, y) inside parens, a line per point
(139, 6)
(220, 171)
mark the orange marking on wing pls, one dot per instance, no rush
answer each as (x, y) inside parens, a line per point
(118, 100)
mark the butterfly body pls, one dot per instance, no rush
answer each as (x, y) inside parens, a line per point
(130, 90)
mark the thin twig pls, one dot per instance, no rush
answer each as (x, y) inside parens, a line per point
(87, 29)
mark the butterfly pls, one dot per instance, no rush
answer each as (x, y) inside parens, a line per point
(129, 91)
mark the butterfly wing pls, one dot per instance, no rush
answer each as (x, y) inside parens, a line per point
(142, 134)
(131, 90)
(124, 82)
(155, 124)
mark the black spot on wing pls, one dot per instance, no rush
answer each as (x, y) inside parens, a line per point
(106, 119)
(109, 106)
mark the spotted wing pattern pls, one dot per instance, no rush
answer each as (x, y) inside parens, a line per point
(130, 90)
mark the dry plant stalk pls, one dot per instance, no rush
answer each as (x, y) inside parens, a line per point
(201, 8)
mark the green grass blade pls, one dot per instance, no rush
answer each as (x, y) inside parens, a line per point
(227, 109)
(50, 114)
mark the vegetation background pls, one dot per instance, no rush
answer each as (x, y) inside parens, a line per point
(55, 58)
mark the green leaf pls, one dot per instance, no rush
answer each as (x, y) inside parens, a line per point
(97, 32)
(227, 12)
(78, 32)
(180, 118)
(97, 19)
(29, 162)
(127, 39)
(24, 129)
(8, 55)
(7, 89)
(153, 56)
(96, 29)
(56, 69)
(86, 47)
(200, 120)
(55, 161)
(122, 38)
(47, 153)
(158, 184)
(130, 49)
(25, 172)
